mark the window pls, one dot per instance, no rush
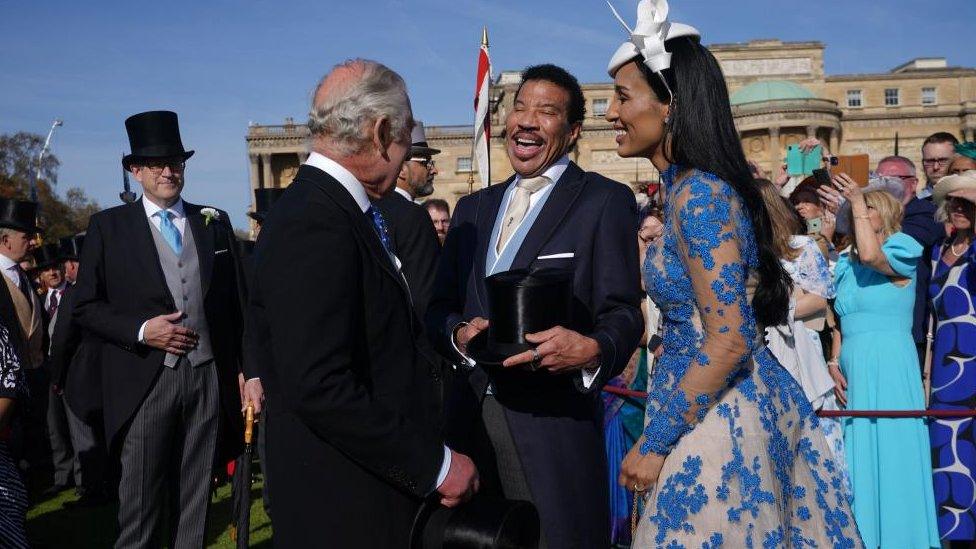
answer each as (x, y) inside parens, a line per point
(463, 164)
(891, 97)
(600, 107)
(929, 96)
(854, 98)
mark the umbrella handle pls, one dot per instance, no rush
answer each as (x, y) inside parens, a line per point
(248, 423)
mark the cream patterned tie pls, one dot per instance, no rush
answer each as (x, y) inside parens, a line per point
(518, 207)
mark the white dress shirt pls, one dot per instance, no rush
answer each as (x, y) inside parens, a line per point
(403, 193)
(177, 209)
(9, 268)
(179, 220)
(355, 188)
(59, 291)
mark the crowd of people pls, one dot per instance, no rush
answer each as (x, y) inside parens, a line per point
(441, 381)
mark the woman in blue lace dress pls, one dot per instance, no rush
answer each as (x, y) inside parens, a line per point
(731, 455)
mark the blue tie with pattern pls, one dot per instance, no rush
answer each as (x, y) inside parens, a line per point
(380, 225)
(169, 231)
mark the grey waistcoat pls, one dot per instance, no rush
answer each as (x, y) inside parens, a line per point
(183, 280)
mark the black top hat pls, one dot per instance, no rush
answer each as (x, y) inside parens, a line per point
(46, 256)
(153, 134)
(521, 302)
(69, 247)
(479, 523)
(263, 200)
(20, 215)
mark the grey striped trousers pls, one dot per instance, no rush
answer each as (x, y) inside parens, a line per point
(167, 460)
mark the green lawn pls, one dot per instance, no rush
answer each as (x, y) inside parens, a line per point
(50, 525)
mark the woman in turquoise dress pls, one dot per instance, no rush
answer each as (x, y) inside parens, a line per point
(888, 460)
(731, 455)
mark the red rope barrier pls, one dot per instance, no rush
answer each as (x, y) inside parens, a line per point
(619, 391)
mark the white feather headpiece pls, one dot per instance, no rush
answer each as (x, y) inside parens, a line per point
(648, 36)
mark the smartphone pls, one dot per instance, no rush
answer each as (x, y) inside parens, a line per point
(814, 225)
(855, 166)
(801, 163)
(822, 176)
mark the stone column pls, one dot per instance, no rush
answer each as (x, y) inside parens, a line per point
(255, 177)
(834, 141)
(267, 181)
(812, 130)
(775, 158)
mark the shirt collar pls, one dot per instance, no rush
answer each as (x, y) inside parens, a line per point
(554, 172)
(151, 208)
(6, 263)
(403, 193)
(343, 176)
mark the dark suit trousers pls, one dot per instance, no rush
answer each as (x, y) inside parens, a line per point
(91, 454)
(168, 458)
(66, 466)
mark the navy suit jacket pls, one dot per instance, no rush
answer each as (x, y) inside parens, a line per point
(550, 416)
(919, 223)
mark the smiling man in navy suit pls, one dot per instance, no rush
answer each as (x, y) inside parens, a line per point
(536, 432)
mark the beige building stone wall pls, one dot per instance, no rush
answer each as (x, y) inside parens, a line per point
(766, 126)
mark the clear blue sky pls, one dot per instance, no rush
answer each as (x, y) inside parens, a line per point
(221, 64)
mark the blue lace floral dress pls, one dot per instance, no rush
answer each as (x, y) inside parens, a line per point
(746, 465)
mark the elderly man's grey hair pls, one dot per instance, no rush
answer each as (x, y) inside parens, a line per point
(345, 113)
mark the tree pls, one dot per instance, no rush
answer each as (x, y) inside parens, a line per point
(18, 166)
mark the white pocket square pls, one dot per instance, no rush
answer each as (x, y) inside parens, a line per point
(565, 255)
(218, 252)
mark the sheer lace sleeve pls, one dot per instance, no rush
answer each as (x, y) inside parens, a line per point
(715, 245)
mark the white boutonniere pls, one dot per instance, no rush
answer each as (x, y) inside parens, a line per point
(210, 214)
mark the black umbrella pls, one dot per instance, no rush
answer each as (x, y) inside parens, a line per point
(241, 530)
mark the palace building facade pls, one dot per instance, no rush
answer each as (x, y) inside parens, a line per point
(780, 95)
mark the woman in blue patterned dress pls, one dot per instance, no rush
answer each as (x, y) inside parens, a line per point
(953, 293)
(731, 455)
(13, 496)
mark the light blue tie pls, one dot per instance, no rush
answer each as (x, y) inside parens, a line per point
(169, 231)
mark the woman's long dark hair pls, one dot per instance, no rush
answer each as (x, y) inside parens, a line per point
(701, 135)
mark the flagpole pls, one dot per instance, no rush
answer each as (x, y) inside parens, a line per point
(482, 80)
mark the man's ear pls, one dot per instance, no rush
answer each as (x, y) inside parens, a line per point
(575, 129)
(382, 135)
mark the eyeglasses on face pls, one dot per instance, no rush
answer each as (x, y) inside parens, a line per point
(427, 162)
(935, 161)
(157, 166)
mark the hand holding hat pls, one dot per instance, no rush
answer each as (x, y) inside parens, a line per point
(558, 350)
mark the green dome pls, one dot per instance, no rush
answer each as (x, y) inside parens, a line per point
(770, 90)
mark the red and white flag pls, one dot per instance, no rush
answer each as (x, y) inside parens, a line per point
(482, 116)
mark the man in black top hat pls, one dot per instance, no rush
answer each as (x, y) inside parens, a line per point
(414, 238)
(66, 468)
(159, 284)
(535, 435)
(22, 313)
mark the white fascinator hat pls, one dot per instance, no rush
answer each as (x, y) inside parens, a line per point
(648, 36)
